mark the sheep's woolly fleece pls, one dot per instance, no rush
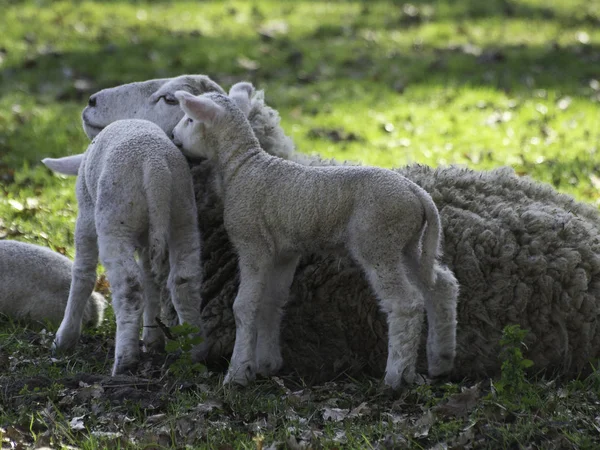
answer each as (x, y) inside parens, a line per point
(522, 253)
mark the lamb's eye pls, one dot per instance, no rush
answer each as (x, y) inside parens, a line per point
(170, 100)
(190, 120)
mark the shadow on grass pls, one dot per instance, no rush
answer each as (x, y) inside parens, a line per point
(308, 59)
(73, 76)
(413, 11)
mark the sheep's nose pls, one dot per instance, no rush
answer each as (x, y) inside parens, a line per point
(92, 101)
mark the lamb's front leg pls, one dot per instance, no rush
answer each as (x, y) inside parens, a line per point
(253, 276)
(268, 347)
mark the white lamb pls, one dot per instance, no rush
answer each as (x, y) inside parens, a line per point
(135, 193)
(34, 285)
(275, 210)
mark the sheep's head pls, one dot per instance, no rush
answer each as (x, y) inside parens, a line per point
(210, 119)
(153, 100)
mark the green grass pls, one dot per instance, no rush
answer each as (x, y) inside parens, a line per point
(481, 84)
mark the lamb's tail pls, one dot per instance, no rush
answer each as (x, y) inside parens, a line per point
(157, 182)
(431, 239)
(67, 165)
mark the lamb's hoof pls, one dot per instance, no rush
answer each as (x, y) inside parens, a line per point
(153, 344)
(125, 366)
(393, 378)
(62, 345)
(55, 348)
(393, 381)
(242, 375)
(201, 352)
(269, 366)
(441, 365)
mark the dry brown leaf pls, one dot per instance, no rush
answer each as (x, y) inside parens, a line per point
(460, 405)
(335, 414)
(424, 424)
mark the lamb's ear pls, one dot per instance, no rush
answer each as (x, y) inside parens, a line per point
(68, 165)
(240, 93)
(199, 108)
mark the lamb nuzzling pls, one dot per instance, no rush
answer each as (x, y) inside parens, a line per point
(34, 285)
(523, 254)
(134, 191)
(276, 210)
(154, 100)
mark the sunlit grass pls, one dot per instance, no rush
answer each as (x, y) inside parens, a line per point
(477, 83)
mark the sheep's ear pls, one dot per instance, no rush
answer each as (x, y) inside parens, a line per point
(205, 84)
(166, 92)
(67, 165)
(200, 108)
(194, 84)
(240, 93)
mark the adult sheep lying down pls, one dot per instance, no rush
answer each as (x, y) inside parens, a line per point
(522, 253)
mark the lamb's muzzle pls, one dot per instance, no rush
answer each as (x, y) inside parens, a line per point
(276, 210)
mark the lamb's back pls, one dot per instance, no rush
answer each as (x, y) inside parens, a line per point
(335, 190)
(312, 206)
(125, 156)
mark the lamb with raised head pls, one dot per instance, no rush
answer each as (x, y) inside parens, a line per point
(276, 210)
(135, 194)
(34, 285)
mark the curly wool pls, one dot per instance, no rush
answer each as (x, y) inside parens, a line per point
(522, 253)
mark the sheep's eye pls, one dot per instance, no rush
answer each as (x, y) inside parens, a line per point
(190, 120)
(170, 100)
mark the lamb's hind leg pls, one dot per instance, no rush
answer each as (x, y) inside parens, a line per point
(440, 303)
(151, 335)
(185, 275)
(253, 277)
(403, 304)
(83, 280)
(268, 347)
(126, 281)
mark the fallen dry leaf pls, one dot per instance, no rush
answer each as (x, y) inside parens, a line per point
(424, 424)
(208, 406)
(335, 414)
(460, 405)
(293, 444)
(360, 410)
(76, 423)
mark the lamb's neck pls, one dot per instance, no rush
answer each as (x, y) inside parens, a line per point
(234, 157)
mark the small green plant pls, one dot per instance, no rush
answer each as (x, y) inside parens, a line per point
(182, 338)
(513, 388)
